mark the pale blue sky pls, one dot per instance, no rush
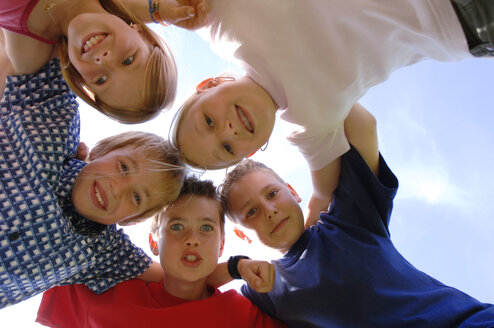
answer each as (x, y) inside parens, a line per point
(435, 131)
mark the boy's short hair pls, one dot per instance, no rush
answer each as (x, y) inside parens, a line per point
(160, 77)
(194, 187)
(159, 152)
(243, 168)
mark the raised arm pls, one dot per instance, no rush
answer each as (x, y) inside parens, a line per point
(360, 130)
(188, 14)
(25, 55)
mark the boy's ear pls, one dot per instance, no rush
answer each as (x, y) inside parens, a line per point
(240, 234)
(154, 246)
(293, 192)
(222, 245)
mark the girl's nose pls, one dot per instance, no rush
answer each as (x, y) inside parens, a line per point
(103, 56)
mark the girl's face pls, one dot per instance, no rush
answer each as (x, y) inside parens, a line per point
(228, 121)
(111, 56)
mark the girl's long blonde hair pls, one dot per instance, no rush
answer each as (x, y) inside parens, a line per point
(160, 75)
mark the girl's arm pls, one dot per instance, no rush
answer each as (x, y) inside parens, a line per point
(26, 55)
(360, 130)
(188, 14)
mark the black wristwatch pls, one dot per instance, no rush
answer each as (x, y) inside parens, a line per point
(233, 265)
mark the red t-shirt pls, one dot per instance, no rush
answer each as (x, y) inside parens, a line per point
(135, 303)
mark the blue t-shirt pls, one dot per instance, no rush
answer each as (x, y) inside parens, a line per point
(43, 240)
(345, 271)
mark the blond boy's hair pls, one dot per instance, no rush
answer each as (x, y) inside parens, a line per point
(163, 158)
(160, 76)
(194, 187)
(242, 169)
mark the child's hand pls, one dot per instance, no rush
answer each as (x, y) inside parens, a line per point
(315, 206)
(188, 14)
(258, 274)
(82, 152)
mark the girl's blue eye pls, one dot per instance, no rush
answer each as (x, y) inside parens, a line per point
(101, 80)
(129, 60)
(228, 148)
(209, 121)
(137, 198)
(176, 227)
(206, 228)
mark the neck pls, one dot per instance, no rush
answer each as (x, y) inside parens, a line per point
(63, 11)
(191, 291)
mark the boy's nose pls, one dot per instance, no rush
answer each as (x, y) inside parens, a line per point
(191, 239)
(272, 213)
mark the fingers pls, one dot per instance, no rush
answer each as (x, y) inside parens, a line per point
(82, 152)
(260, 276)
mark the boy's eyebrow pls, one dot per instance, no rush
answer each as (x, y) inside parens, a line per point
(261, 192)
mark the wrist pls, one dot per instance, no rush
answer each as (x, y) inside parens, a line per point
(233, 265)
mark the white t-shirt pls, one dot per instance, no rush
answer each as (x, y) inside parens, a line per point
(318, 57)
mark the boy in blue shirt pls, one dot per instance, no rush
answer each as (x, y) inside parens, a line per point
(344, 271)
(58, 214)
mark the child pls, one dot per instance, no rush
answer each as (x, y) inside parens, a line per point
(112, 60)
(58, 213)
(190, 238)
(313, 60)
(344, 271)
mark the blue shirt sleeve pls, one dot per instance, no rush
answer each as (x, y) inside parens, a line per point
(361, 198)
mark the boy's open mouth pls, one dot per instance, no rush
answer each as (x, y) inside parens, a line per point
(93, 41)
(191, 259)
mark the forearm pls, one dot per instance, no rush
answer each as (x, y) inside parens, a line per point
(152, 274)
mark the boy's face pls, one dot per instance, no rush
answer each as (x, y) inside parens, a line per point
(227, 122)
(260, 201)
(191, 240)
(117, 186)
(111, 57)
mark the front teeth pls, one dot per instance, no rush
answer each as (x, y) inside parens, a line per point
(98, 197)
(92, 42)
(191, 258)
(245, 120)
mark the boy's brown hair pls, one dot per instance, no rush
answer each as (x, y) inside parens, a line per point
(194, 187)
(160, 77)
(160, 154)
(242, 169)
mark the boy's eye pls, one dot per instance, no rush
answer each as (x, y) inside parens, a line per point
(228, 148)
(209, 121)
(101, 80)
(206, 228)
(251, 212)
(137, 198)
(129, 60)
(272, 194)
(176, 227)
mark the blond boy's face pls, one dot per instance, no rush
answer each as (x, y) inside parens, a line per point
(117, 187)
(226, 123)
(261, 202)
(111, 57)
(190, 239)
